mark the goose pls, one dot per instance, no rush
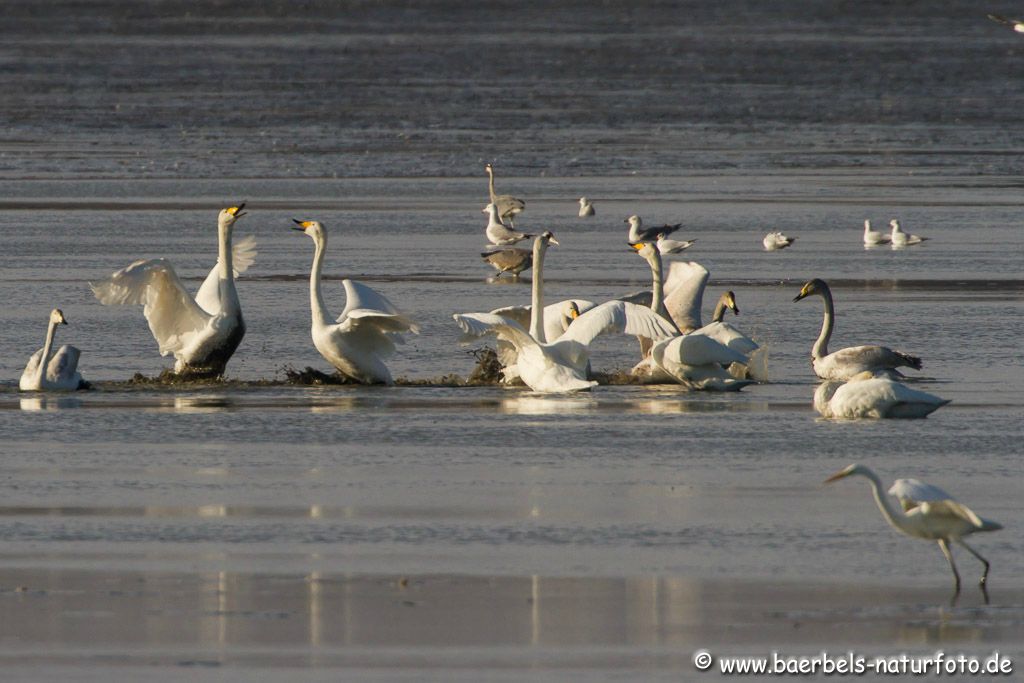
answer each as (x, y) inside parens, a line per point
(639, 234)
(845, 363)
(667, 246)
(202, 332)
(774, 241)
(508, 206)
(55, 373)
(509, 260)
(366, 331)
(586, 207)
(498, 233)
(902, 239)
(865, 395)
(927, 512)
(873, 238)
(560, 365)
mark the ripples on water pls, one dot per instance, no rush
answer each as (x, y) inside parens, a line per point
(128, 131)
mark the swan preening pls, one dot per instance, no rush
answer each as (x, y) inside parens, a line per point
(926, 512)
(508, 206)
(560, 365)
(902, 239)
(638, 234)
(202, 332)
(366, 331)
(586, 207)
(499, 233)
(866, 395)
(846, 363)
(58, 372)
(774, 241)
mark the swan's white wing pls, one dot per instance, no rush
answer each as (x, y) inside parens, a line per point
(365, 307)
(64, 364)
(243, 255)
(554, 315)
(641, 298)
(696, 349)
(28, 374)
(479, 324)
(172, 314)
(684, 293)
(620, 317)
(725, 333)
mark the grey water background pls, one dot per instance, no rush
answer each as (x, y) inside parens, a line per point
(128, 125)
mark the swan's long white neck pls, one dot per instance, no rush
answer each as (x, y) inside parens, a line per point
(657, 284)
(896, 517)
(226, 267)
(719, 314)
(537, 300)
(316, 297)
(51, 332)
(820, 348)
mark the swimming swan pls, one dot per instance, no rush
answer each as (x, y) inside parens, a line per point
(59, 372)
(845, 363)
(366, 331)
(865, 395)
(203, 332)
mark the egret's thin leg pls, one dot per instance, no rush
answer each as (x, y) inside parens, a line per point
(949, 556)
(974, 552)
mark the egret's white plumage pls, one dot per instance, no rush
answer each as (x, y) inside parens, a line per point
(873, 238)
(58, 372)
(365, 333)
(774, 241)
(926, 512)
(902, 239)
(202, 332)
(508, 206)
(845, 363)
(865, 395)
(586, 207)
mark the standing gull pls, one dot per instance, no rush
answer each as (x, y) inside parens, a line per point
(667, 246)
(638, 234)
(497, 232)
(586, 208)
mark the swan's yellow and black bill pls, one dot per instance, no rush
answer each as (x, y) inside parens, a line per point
(302, 225)
(236, 211)
(638, 246)
(805, 291)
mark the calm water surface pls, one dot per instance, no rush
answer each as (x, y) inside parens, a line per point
(126, 139)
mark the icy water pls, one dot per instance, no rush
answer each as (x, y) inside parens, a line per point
(472, 533)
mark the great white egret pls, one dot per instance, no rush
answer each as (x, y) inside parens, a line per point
(366, 331)
(845, 363)
(865, 395)
(508, 206)
(926, 512)
(59, 372)
(203, 332)
(586, 207)
(873, 238)
(774, 241)
(499, 233)
(638, 234)
(902, 239)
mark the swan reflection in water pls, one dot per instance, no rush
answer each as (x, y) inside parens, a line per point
(48, 403)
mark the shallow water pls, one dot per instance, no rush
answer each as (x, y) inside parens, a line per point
(377, 122)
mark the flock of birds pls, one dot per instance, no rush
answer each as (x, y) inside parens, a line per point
(545, 347)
